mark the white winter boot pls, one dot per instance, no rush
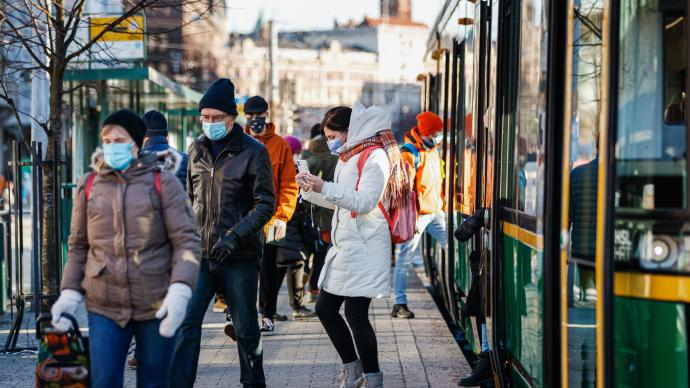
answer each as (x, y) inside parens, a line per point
(370, 380)
(350, 374)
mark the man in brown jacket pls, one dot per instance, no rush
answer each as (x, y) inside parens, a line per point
(133, 255)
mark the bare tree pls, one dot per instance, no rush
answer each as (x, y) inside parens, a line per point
(48, 36)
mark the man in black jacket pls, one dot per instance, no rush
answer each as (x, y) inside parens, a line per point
(230, 184)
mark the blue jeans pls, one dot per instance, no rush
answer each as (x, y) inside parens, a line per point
(238, 282)
(435, 225)
(108, 345)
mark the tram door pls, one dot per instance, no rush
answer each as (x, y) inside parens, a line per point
(649, 239)
(625, 250)
(583, 120)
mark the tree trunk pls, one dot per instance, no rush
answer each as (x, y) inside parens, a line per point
(50, 241)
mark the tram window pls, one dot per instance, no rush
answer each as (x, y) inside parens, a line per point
(585, 117)
(531, 108)
(650, 144)
(675, 69)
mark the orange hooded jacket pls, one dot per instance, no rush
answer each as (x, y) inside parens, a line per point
(427, 178)
(284, 183)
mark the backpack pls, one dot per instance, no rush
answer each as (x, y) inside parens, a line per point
(402, 221)
(411, 148)
(92, 178)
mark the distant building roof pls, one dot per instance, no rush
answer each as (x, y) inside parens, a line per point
(395, 21)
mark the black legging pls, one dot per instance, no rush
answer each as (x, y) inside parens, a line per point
(357, 315)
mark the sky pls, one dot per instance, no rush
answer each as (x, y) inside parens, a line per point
(316, 14)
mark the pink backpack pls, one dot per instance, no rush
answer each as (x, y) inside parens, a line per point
(402, 221)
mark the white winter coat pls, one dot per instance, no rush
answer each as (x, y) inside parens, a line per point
(358, 263)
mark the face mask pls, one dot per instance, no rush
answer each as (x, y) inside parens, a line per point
(333, 145)
(438, 139)
(257, 123)
(214, 131)
(118, 155)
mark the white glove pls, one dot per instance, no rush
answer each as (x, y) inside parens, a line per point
(173, 309)
(68, 302)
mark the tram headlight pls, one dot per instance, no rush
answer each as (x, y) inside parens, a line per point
(661, 253)
(660, 250)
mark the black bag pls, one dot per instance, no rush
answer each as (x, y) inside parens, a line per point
(63, 358)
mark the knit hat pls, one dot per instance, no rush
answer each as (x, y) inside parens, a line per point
(156, 124)
(295, 144)
(220, 95)
(131, 122)
(255, 104)
(428, 123)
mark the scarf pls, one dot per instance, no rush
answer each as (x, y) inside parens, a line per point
(398, 188)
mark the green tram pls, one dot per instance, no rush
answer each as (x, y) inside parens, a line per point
(567, 123)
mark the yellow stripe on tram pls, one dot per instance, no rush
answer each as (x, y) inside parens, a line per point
(523, 235)
(668, 288)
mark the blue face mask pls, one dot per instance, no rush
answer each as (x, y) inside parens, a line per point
(118, 155)
(333, 145)
(214, 131)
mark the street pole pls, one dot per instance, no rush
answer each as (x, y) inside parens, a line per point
(273, 70)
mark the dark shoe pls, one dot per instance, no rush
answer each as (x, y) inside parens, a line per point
(303, 313)
(230, 328)
(219, 306)
(401, 311)
(481, 374)
(132, 363)
(267, 327)
(279, 318)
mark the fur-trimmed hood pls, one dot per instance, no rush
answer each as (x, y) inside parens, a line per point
(169, 160)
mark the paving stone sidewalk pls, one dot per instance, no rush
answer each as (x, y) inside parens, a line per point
(420, 352)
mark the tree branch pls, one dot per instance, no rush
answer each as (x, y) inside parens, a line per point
(24, 43)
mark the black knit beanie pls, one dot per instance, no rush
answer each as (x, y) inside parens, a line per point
(131, 122)
(220, 95)
(255, 104)
(156, 124)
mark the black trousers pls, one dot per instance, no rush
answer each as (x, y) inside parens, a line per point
(271, 279)
(357, 316)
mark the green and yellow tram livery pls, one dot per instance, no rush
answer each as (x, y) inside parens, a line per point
(566, 131)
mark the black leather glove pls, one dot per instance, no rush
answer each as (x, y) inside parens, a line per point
(223, 248)
(470, 226)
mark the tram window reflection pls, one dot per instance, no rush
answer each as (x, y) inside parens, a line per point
(675, 69)
(582, 213)
(650, 145)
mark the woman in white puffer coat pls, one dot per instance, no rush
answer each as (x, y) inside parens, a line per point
(357, 267)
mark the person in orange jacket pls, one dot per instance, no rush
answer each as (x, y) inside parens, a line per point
(286, 189)
(424, 169)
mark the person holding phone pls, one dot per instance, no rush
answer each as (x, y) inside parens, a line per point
(357, 267)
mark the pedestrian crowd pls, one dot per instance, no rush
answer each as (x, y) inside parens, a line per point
(157, 235)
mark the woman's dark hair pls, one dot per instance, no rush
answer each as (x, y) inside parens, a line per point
(337, 119)
(315, 131)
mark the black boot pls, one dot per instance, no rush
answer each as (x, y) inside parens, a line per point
(481, 374)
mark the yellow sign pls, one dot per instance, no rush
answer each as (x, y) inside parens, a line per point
(130, 29)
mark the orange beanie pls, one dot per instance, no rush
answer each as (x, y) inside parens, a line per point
(428, 123)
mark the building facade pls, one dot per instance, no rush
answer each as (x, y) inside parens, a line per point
(376, 61)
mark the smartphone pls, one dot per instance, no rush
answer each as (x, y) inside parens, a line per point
(302, 166)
